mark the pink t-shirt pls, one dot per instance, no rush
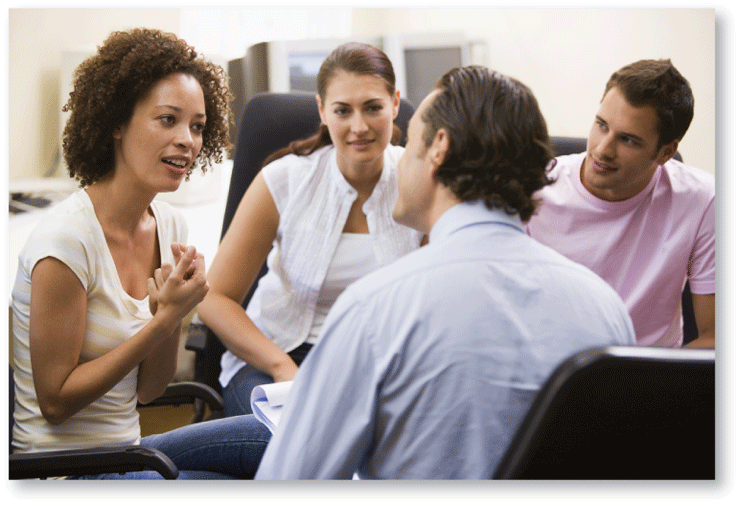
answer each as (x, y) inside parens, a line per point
(645, 247)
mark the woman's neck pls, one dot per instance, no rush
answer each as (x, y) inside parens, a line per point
(363, 178)
(117, 207)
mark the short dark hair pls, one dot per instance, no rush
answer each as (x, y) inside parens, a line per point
(353, 58)
(108, 85)
(658, 84)
(499, 146)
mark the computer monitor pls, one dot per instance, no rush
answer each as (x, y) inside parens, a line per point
(419, 60)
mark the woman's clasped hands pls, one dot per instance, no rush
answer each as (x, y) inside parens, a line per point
(177, 290)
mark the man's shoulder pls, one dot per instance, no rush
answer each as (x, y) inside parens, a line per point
(565, 164)
(405, 269)
(688, 179)
(562, 173)
(457, 267)
(431, 281)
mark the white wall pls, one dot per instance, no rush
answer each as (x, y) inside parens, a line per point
(36, 40)
(565, 55)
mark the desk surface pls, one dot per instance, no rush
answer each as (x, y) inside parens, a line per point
(204, 219)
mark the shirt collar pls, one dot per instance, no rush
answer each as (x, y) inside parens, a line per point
(339, 180)
(606, 204)
(470, 213)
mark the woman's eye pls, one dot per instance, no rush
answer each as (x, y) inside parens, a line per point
(167, 119)
(199, 127)
(340, 112)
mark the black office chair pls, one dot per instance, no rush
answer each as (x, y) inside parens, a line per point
(620, 413)
(269, 122)
(573, 145)
(120, 459)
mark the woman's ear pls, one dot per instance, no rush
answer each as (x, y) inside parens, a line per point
(396, 103)
(320, 106)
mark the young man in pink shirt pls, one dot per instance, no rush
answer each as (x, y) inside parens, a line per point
(641, 220)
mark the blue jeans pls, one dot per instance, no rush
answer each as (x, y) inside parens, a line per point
(237, 393)
(229, 448)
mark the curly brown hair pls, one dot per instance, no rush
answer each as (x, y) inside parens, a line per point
(108, 85)
(499, 146)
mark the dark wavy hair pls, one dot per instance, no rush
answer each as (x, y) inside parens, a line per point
(355, 58)
(499, 146)
(108, 85)
(658, 84)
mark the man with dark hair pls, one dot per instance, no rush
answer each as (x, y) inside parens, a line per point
(641, 220)
(424, 369)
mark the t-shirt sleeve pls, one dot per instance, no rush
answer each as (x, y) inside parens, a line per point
(701, 271)
(64, 239)
(277, 177)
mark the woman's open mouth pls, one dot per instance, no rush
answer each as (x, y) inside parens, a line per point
(177, 165)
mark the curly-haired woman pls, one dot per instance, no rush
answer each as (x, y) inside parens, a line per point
(104, 282)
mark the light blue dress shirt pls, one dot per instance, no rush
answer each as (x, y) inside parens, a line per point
(425, 368)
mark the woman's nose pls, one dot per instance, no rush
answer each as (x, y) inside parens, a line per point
(358, 124)
(184, 137)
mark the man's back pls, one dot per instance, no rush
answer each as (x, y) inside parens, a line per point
(430, 364)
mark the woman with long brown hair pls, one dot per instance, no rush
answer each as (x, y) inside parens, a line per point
(320, 213)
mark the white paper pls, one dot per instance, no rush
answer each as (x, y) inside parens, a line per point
(267, 405)
(267, 402)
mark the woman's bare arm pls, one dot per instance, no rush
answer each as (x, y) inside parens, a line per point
(56, 335)
(240, 256)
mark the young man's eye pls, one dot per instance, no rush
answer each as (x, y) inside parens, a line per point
(629, 141)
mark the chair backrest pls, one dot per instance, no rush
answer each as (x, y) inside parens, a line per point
(269, 122)
(573, 145)
(620, 413)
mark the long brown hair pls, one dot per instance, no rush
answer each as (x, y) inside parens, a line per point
(352, 57)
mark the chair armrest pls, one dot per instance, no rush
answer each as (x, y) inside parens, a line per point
(178, 393)
(119, 459)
